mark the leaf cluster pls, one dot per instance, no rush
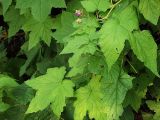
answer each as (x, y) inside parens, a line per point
(79, 59)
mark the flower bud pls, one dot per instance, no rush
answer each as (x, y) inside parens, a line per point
(78, 13)
(79, 21)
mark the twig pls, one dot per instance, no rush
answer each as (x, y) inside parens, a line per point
(113, 6)
(132, 66)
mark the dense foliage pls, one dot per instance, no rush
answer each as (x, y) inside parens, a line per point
(79, 59)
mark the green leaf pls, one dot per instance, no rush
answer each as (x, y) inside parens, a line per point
(150, 10)
(31, 56)
(112, 40)
(40, 9)
(58, 3)
(11, 17)
(74, 44)
(76, 62)
(89, 99)
(81, 42)
(115, 31)
(147, 116)
(74, 5)
(3, 106)
(46, 114)
(48, 62)
(155, 106)
(22, 94)
(93, 5)
(145, 48)
(137, 93)
(1, 10)
(23, 5)
(115, 89)
(6, 83)
(63, 28)
(38, 31)
(5, 5)
(96, 64)
(88, 25)
(128, 114)
(56, 89)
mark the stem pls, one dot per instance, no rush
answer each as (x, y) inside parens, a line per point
(132, 66)
(77, 77)
(112, 2)
(113, 6)
(97, 14)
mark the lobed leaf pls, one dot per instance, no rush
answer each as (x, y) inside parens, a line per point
(56, 89)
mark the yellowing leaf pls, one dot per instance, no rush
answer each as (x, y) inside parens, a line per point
(89, 99)
(115, 89)
(51, 89)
